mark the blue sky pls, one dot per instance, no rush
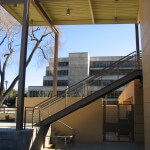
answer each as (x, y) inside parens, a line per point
(98, 40)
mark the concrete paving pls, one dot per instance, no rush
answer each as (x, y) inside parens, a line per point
(110, 146)
(102, 146)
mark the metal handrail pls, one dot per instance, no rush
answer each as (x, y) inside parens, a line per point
(79, 87)
(103, 71)
(75, 131)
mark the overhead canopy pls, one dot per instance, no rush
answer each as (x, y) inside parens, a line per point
(81, 11)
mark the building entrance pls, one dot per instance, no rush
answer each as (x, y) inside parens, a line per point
(118, 123)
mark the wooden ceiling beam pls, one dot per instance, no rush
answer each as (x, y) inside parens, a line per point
(91, 11)
(44, 15)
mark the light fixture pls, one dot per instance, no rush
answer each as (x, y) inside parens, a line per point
(68, 12)
(15, 5)
(116, 19)
(31, 21)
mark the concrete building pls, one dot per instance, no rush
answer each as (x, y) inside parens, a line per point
(77, 67)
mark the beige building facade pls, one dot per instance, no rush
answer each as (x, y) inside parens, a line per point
(133, 94)
(145, 37)
(87, 121)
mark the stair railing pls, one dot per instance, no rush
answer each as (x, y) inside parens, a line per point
(84, 88)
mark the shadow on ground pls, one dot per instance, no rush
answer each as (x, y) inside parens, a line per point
(110, 146)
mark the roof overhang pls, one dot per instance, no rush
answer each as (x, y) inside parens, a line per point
(81, 11)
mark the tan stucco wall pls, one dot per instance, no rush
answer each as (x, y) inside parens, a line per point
(133, 93)
(127, 95)
(145, 36)
(87, 120)
(32, 101)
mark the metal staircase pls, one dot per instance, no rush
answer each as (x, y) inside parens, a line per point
(61, 105)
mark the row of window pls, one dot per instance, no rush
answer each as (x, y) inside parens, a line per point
(114, 72)
(35, 93)
(114, 94)
(63, 64)
(103, 64)
(101, 82)
(60, 73)
(92, 72)
(59, 83)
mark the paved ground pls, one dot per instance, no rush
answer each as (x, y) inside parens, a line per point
(110, 146)
(106, 146)
(102, 146)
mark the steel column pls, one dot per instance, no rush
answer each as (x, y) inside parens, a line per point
(55, 66)
(22, 66)
(137, 45)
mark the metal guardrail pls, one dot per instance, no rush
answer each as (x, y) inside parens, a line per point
(8, 114)
(110, 68)
(81, 89)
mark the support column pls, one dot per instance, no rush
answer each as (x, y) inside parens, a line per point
(137, 46)
(22, 66)
(55, 66)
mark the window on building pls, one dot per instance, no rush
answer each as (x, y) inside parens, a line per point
(62, 83)
(41, 93)
(100, 64)
(103, 64)
(101, 82)
(62, 64)
(62, 72)
(49, 73)
(59, 83)
(113, 95)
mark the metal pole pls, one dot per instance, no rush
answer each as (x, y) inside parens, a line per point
(118, 111)
(104, 121)
(25, 118)
(55, 66)
(22, 67)
(137, 46)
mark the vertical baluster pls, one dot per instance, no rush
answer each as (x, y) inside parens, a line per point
(65, 99)
(39, 115)
(32, 117)
(49, 110)
(25, 119)
(87, 89)
(118, 112)
(55, 107)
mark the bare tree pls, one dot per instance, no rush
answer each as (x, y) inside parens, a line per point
(41, 39)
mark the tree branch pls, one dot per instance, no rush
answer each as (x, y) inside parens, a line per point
(3, 40)
(2, 97)
(42, 52)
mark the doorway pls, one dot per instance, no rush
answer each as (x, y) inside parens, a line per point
(118, 123)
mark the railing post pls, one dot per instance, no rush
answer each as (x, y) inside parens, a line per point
(39, 115)
(25, 119)
(118, 111)
(32, 117)
(84, 89)
(104, 121)
(49, 110)
(66, 95)
(132, 127)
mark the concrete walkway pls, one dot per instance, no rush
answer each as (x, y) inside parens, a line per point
(110, 146)
(102, 146)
